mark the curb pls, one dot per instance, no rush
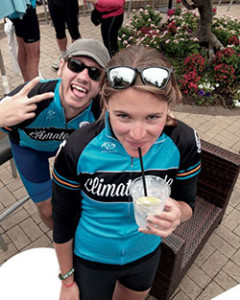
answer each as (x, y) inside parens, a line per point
(207, 110)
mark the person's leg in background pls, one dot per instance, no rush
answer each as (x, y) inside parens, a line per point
(28, 58)
(62, 45)
(22, 57)
(71, 18)
(66, 13)
(109, 31)
(58, 20)
(28, 38)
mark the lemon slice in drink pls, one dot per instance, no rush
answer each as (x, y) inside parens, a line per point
(148, 200)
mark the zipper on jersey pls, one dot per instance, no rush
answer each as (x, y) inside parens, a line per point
(131, 162)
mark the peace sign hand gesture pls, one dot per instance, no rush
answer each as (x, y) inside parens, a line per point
(18, 108)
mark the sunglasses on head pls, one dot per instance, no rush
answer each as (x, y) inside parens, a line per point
(122, 77)
(77, 66)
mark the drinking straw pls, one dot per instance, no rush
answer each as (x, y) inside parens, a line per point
(143, 176)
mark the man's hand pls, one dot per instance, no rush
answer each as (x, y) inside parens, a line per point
(18, 108)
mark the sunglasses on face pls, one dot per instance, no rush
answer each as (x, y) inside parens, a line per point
(77, 66)
(122, 77)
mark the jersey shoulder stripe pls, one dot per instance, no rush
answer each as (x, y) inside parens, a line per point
(63, 182)
(193, 171)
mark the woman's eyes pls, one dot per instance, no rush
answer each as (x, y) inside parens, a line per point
(154, 117)
(151, 117)
(122, 116)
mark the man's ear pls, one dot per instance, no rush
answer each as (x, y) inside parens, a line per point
(61, 65)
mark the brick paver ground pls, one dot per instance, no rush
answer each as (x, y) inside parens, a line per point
(217, 268)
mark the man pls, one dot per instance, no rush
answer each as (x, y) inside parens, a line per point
(73, 105)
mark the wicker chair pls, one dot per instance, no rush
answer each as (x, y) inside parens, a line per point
(220, 169)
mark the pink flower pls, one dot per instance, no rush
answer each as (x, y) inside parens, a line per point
(224, 74)
(234, 40)
(171, 12)
(194, 62)
(172, 27)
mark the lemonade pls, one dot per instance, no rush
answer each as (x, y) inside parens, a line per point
(157, 190)
(146, 206)
(147, 200)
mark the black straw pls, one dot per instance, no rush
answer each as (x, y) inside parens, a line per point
(143, 176)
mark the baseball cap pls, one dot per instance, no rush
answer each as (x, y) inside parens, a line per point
(91, 48)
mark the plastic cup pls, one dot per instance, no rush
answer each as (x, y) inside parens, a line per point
(157, 193)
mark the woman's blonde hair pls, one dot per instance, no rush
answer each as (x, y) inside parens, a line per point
(139, 56)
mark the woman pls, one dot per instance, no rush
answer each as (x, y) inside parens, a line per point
(113, 258)
(111, 21)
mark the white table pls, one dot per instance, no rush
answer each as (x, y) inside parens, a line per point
(231, 294)
(31, 275)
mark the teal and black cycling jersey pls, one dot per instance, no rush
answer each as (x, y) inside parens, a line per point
(92, 175)
(49, 127)
(36, 140)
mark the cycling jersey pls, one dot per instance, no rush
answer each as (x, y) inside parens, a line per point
(34, 141)
(93, 173)
(49, 127)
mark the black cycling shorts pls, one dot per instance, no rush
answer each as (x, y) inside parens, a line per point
(28, 27)
(65, 12)
(96, 281)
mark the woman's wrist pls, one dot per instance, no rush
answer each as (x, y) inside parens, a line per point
(68, 282)
(67, 278)
(68, 285)
(185, 211)
(66, 275)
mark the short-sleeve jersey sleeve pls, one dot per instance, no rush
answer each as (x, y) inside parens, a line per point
(66, 199)
(188, 143)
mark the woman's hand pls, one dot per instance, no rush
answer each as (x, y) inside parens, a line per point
(69, 293)
(165, 222)
(18, 108)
